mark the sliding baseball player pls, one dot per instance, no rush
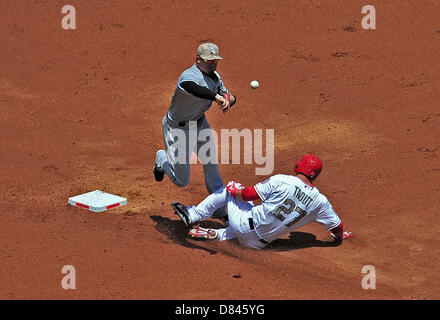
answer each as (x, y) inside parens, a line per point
(288, 202)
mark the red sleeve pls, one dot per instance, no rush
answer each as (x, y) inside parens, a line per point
(339, 228)
(249, 194)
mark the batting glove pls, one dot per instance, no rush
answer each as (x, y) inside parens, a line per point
(233, 187)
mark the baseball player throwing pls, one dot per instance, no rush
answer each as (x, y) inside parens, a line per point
(196, 89)
(288, 202)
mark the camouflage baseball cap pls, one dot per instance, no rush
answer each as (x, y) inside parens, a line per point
(208, 51)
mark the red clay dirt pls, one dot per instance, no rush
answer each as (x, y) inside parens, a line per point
(81, 110)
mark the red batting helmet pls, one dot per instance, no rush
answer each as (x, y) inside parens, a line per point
(309, 165)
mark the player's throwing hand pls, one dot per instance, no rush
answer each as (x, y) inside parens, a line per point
(223, 102)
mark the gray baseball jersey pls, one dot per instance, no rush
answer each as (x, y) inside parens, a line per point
(187, 107)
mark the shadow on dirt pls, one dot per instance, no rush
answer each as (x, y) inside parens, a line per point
(176, 231)
(299, 240)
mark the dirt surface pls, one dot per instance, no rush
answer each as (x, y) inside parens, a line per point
(81, 110)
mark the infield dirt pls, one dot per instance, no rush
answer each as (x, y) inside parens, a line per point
(81, 110)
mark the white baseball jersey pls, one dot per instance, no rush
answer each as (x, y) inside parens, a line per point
(288, 204)
(187, 107)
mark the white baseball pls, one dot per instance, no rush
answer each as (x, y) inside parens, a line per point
(255, 84)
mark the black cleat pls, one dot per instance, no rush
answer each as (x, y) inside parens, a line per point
(158, 175)
(182, 212)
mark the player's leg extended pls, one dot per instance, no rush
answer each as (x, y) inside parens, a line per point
(221, 198)
(213, 181)
(207, 207)
(223, 234)
(207, 154)
(174, 161)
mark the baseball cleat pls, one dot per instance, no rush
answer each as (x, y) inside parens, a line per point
(203, 233)
(157, 170)
(346, 235)
(158, 175)
(182, 212)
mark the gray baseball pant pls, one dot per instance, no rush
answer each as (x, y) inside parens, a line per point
(181, 140)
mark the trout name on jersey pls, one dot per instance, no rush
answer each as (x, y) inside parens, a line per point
(302, 197)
